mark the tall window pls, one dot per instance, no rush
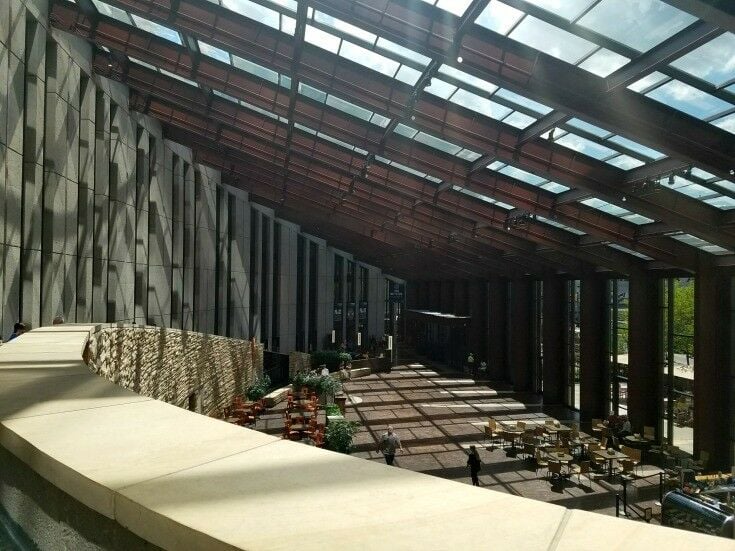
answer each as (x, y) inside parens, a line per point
(276, 283)
(618, 301)
(538, 335)
(301, 275)
(678, 363)
(572, 344)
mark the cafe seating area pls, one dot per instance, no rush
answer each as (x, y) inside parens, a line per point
(300, 418)
(244, 413)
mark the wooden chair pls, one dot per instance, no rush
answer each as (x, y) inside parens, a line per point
(541, 462)
(582, 468)
(491, 430)
(521, 425)
(701, 463)
(603, 442)
(554, 469)
(529, 449)
(649, 433)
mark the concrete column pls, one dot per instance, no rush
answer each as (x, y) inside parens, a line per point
(160, 235)
(223, 262)
(239, 307)
(188, 245)
(25, 155)
(645, 352)
(85, 218)
(175, 163)
(205, 209)
(594, 376)
(287, 283)
(142, 199)
(498, 327)
(713, 374)
(555, 324)
(477, 338)
(520, 335)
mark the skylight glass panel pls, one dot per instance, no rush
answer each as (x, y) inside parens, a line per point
(629, 251)
(522, 175)
(403, 52)
(585, 146)
(468, 155)
(638, 148)
(552, 40)
(380, 120)
(495, 165)
(568, 9)
(322, 39)
(288, 24)
(603, 62)
(284, 81)
(688, 99)
(143, 63)
(482, 85)
(344, 27)
(313, 93)
(519, 120)
(178, 77)
(112, 11)
(440, 88)
(214, 52)
(457, 7)
(699, 243)
(726, 123)
(554, 187)
(408, 169)
(648, 81)
(288, 4)
(556, 224)
(406, 131)
(702, 174)
(226, 96)
(589, 128)
(625, 162)
(482, 197)
(156, 28)
(479, 104)
(499, 17)
(369, 59)
(336, 141)
(615, 210)
(640, 24)
(263, 111)
(349, 108)
(254, 11)
(437, 143)
(722, 202)
(713, 62)
(724, 184)
(408, 75)
(523, 101)
(255, 69)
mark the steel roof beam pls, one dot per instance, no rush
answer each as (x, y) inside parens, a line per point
(717, 12)
(677, 199)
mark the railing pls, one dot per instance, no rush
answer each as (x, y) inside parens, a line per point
(644, 513)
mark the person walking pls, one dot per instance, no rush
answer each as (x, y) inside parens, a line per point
(474, 463)
(389, 442)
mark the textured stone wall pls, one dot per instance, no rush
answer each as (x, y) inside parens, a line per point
(298, 361)
(102, 219)
(170, 364)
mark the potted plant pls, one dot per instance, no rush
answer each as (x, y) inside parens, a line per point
(339, 435)
(259, 388)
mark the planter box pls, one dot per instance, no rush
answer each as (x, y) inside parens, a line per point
(276, 396)
(376, 365)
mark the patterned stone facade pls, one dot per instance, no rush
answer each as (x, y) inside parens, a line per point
(182, 368)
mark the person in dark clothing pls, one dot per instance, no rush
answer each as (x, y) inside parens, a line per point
(18, 329)
(388, 445)
(474, 463)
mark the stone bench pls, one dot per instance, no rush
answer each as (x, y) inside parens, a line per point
(276, 396)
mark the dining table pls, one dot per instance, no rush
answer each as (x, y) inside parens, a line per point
(557, 430)
(639, 442)
(512, 434)
(609, 456)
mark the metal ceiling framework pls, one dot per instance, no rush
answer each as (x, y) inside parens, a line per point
(406, 214)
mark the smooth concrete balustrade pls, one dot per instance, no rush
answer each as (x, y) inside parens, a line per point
(184, 481)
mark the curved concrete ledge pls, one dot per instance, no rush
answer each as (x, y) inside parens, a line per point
(184, 481)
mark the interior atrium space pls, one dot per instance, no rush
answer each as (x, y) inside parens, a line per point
(367, 274)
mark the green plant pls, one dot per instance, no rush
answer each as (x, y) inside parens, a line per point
(332, 409)
(330, 358)
(259, 388)
(339, 435)
(323, 385)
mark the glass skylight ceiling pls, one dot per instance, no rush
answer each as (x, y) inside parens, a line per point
(642, 25)
(699, 243)
(527, 177)
(616, 211)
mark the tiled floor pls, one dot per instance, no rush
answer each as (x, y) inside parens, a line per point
(438, 415)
